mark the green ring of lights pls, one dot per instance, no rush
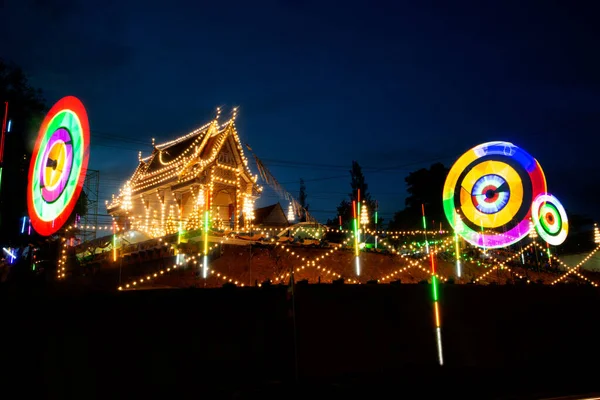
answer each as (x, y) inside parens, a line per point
(50, 211)
(553, 236)
(548, 208)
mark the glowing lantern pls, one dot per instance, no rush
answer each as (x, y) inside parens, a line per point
(532, 232)
(290, 214)
(248, 208)
(364, 215)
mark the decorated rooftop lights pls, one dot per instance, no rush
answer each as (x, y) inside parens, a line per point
(550, 219)
(290, 213)
(169, 188)
(126, 203)
(493, 186)
(58, 165)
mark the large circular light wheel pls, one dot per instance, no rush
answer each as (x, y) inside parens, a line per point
(550, 219)
(58, 165)
(491, 187)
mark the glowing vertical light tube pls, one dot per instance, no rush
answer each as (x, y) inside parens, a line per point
(356, 248)
(114, 241)
(340, 219)
(29, 228)
(457, 228)
(205, 260)
(376, 225)
(357, 215)
(23, 226)
(483, 240)
(425, 228)
(436, 308)
(177, 260)
(3, 133)
(458, 266)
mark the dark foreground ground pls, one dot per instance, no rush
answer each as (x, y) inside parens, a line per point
(367, 341)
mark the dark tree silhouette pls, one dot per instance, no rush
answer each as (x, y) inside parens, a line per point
(424, 187)
(26, 111)
(357, 181)
(302, 196)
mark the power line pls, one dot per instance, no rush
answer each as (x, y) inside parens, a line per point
(397, 167)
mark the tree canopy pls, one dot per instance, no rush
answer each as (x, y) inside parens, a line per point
(344, 209)
(26, 109)
(425, 187)
(302, 196)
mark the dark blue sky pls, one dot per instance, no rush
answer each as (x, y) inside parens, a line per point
(384, 83)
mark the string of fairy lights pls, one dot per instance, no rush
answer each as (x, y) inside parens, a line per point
(413, 247)
(313, 263)
(502, 264)
(417, 264)
(314, 232)
(412, 263)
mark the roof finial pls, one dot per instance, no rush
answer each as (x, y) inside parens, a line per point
(218, 113)
(139, 156)
(235, 110)
(152, 142)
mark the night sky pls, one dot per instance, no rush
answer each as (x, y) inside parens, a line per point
(322, 83)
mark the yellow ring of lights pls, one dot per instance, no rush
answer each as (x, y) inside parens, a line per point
(515, 200)
(52, 176)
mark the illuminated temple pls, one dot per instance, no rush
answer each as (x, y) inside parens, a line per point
(171, 188)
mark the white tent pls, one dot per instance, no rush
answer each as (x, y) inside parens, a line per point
(304, 230)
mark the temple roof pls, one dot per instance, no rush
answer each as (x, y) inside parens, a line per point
(171, 150)
(185, 158)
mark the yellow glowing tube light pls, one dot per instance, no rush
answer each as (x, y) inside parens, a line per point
(205, 260)
(114, 242)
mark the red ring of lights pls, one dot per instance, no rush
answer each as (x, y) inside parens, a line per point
(41, 226)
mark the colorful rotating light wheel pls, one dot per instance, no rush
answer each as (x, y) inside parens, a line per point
(492, 187)
(58, 165)
(550, 219)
